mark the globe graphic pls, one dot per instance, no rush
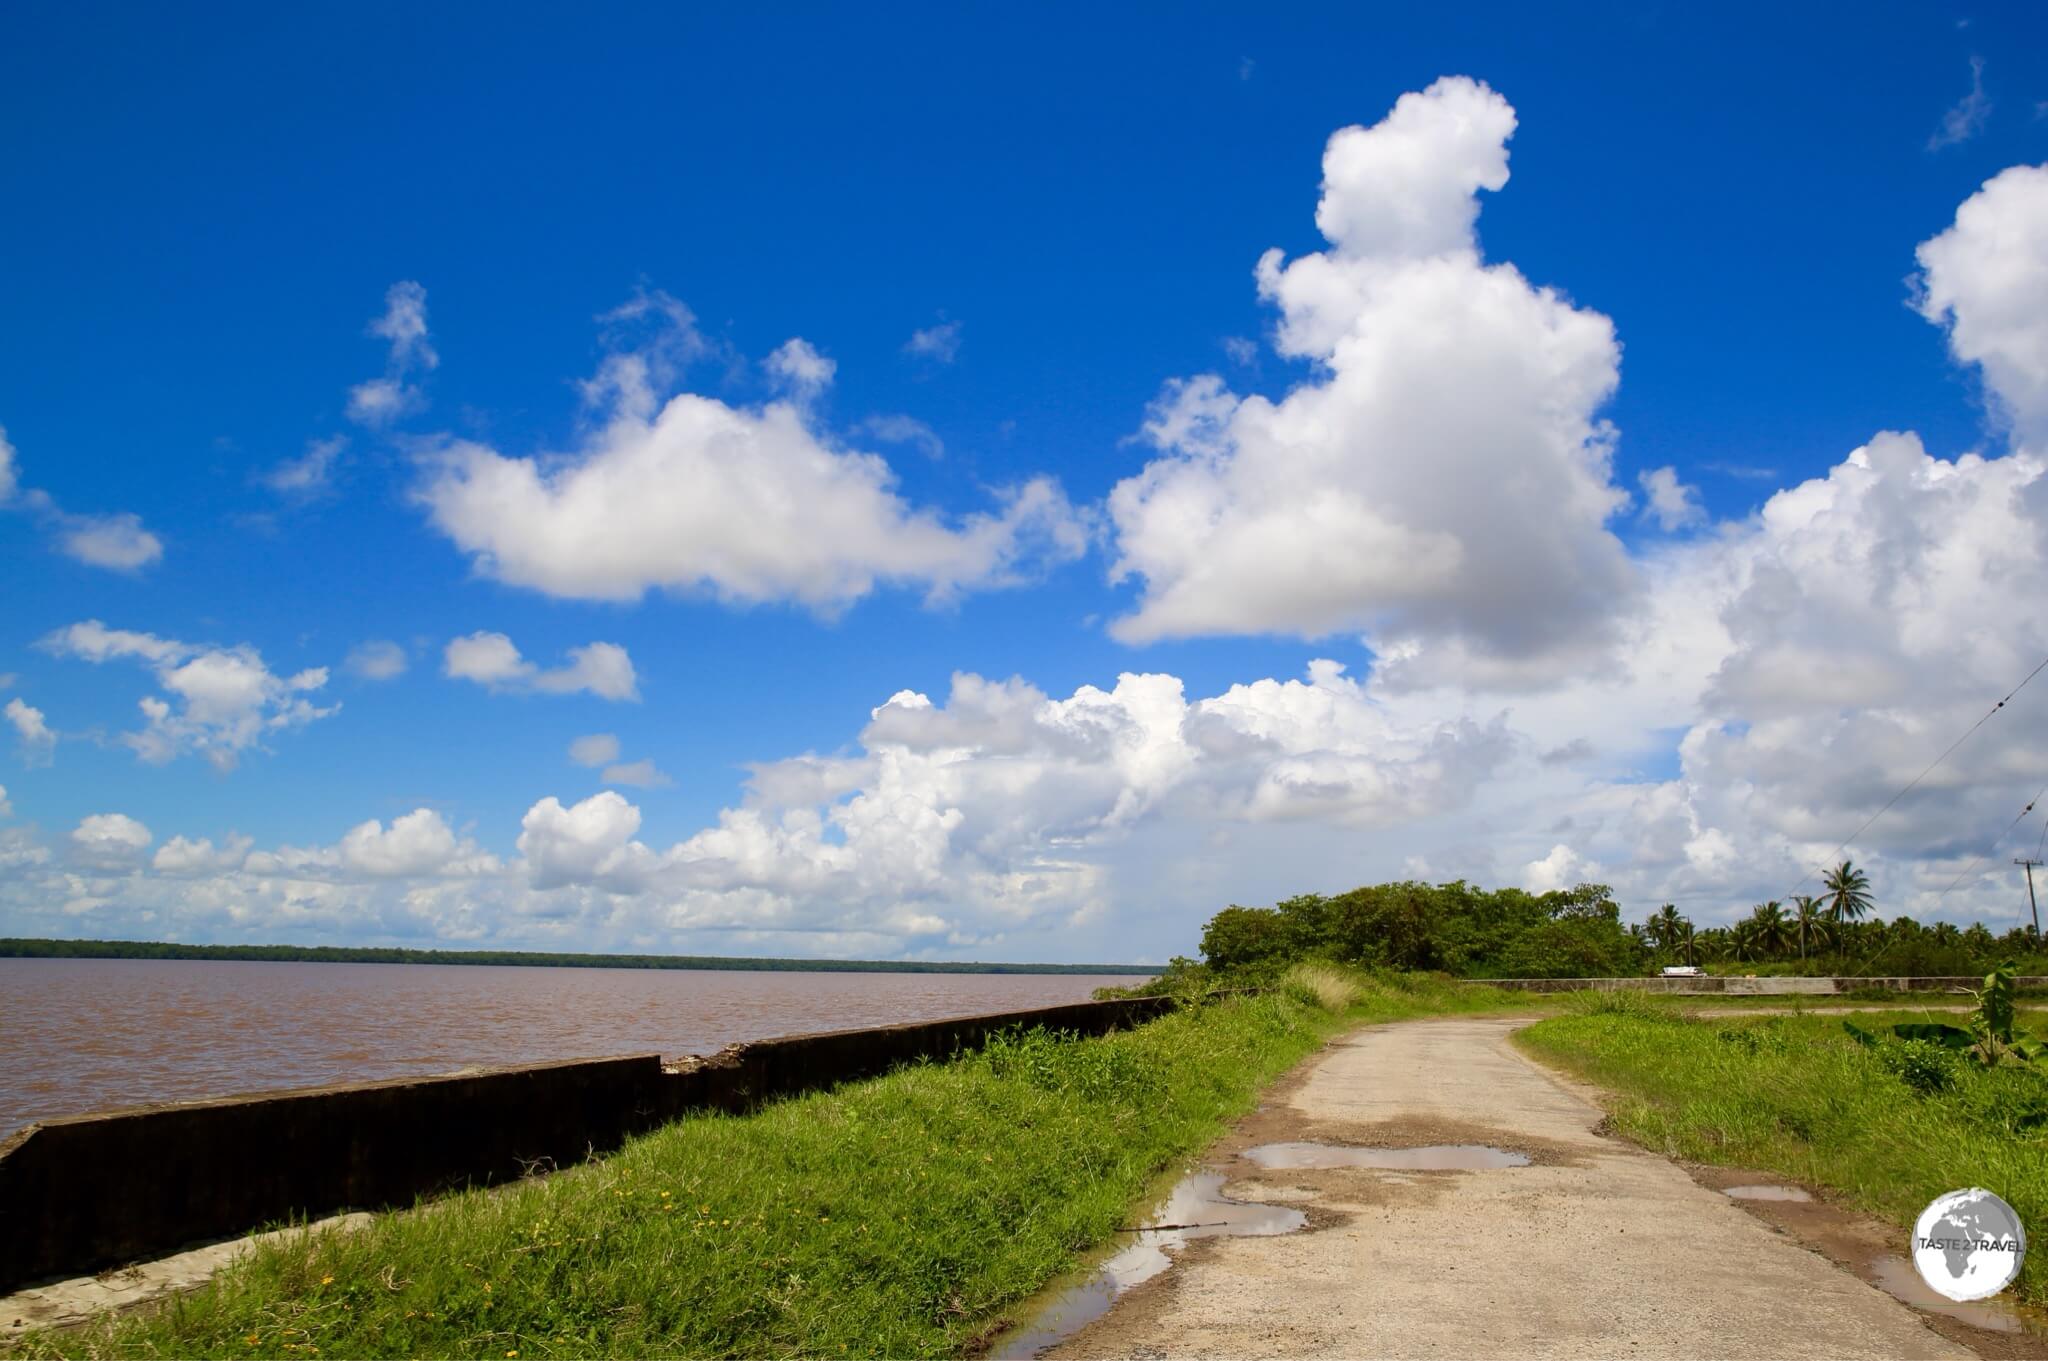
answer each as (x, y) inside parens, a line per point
(1968, 1245)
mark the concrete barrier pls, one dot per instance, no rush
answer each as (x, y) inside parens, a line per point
(92, 1191)
(1708, 985)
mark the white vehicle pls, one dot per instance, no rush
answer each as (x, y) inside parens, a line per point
(1681, 971)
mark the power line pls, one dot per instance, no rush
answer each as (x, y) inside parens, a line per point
(1847, 841)
(1994, 845)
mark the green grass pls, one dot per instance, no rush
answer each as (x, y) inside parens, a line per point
(1793, 1094)
(898, 1216)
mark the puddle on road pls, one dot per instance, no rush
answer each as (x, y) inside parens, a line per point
(1765, 1193)
(1198, 1209)
(1897, 1278)
(1432, 1158)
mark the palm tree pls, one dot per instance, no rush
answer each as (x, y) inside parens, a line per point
(1664, 926)
(1685, 943)
(1848, 893)
(1808, 920)
(1771, 930)
(1743, 942)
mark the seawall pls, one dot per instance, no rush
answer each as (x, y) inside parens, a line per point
(91, 1191)
(1709, 985)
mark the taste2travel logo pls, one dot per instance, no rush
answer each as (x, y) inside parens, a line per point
(1968, 1245)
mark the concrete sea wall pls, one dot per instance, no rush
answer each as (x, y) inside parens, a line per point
(92, 1191)
(1726, 985)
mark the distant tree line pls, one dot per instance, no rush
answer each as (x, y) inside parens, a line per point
(1460, 929)
(342, 954)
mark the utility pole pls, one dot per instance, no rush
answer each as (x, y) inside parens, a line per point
(2029, 864)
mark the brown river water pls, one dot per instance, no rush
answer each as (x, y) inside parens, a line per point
(80, 1035)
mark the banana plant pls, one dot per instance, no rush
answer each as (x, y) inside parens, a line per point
(1992, 1036)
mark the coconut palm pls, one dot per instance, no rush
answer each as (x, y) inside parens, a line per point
(1664, 925)
(1772, 931)
(1685, 942)
(1809, 921)
(1745, 940)
(1848, 893)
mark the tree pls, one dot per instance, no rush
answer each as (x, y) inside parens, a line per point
(1239, 936)
(1743, 940)
(1770, 930)
(1686, 942)
(1848, 893)
(1665, 925)
(1809, 921)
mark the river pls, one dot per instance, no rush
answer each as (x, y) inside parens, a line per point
(81, 1035)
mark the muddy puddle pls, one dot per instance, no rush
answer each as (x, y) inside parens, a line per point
(1897, 1278)
(1196, 1208)
(1792, 1193)
(1430, 1158)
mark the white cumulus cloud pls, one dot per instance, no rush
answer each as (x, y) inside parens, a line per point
(116, 541)
(217, 702)
(33, 738)
(1986, 280)
(1443, 482)
(491, 659)
(1672, 503)
(689, 494)
(798, 366)
(112, 842)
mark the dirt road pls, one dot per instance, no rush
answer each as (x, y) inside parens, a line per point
(1595, 1249)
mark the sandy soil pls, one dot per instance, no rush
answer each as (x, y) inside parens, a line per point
(1596, 1249)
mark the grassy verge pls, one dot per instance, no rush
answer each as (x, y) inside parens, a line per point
(1935, 1004)
(895, 1217)
(1793, 1094)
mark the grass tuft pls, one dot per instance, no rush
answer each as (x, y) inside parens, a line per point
(1321, 985)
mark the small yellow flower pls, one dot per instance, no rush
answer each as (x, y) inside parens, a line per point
(487, 1287)
(513, 1352)
(327, 1280)
(664, 1195)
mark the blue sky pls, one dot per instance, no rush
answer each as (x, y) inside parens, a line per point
(207, 220)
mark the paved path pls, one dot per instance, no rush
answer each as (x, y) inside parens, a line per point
(1597, 1249)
